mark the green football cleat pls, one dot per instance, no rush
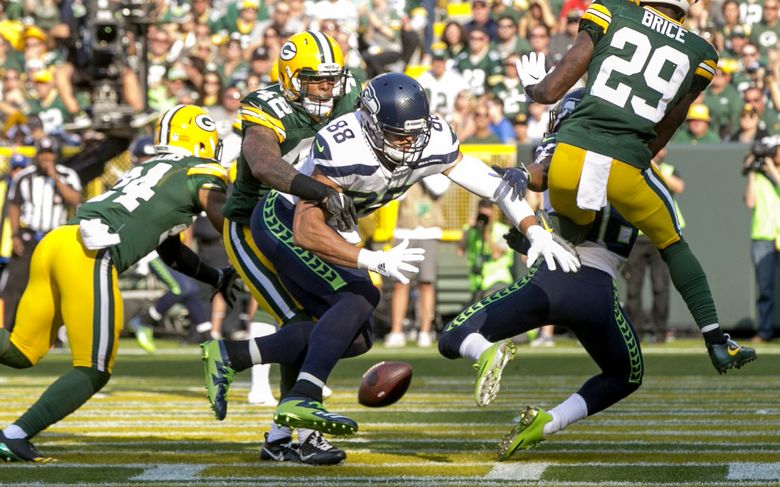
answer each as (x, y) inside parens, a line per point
(527, 433)
(311, 414)
(144, 336)
(219, 375)
(489, 367)
(730, 355)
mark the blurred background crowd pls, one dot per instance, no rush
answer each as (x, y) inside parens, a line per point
(94, 74)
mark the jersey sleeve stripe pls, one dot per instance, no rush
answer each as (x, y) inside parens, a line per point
(596, 20)
(343, 171)
(601, 10)
(704, 73)
(208, 170)
(709, 63)
(265, 122)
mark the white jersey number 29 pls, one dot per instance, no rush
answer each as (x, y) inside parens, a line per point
(650, 70)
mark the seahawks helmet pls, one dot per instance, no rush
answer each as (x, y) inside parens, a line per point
(395, 115)
(564, 109)
(141, 148)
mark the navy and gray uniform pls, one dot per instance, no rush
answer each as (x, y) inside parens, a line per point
(342, 153)
(585, 302)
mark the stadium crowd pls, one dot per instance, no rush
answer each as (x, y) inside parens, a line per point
(213, 52)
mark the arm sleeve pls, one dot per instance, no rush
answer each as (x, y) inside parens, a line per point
(705, 70)
(255, 112)
(181, 258)
(595, 21)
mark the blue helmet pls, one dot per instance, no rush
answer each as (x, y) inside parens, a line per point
(141, 147)
(395, 114)
(564, 109)
(18, 161)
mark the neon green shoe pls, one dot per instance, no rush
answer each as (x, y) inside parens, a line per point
(489, 367)
(527, 433)
(144, 336)
(312, 415)
(219, 376)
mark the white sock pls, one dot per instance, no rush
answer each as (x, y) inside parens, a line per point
(473, 346)
(303, 434)
(569, 411)
(204, 327)
(154, 314)
(14, 432)
(277, 432)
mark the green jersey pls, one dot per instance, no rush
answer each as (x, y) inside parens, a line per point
(152, 202)
(643, 64)
(482, 72)
(295, 130)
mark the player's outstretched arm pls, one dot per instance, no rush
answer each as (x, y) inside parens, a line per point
(311, 232)
(260, 148)
(574, 64)
(476, 177)
(212, 201)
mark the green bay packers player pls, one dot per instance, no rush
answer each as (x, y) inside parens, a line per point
(278, 127)
(644, 70)
(73, 277)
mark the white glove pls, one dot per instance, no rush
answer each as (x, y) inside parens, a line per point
(542, 243)
(393, 261)
(531, 69)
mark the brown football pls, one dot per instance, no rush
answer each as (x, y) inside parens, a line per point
(384, 384)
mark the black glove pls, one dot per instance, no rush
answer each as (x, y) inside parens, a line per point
(342, 209)
(516, 177)
(517, 241)
(227, 285)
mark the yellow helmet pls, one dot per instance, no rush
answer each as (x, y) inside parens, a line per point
(187, 129)
(311, 56)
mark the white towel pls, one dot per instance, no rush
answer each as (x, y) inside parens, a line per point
(592, 191)
(96, 235)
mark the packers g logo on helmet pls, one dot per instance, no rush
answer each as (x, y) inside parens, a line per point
(188, 129)
(311, 57)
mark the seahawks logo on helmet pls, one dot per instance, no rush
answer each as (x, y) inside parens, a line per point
(369, 101)
(288, 51)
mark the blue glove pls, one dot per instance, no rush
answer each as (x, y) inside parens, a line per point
(516, 177)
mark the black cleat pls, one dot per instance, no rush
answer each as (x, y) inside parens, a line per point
(730, 354)
(20, 450)
(316, 450)
(281, 450)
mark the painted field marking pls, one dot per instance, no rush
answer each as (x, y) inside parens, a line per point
(754, 471)
(176, 472)
(517, 471)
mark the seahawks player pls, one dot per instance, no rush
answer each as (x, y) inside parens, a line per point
(278, 126)
(373, 155)
(73, 279)
(644, 70)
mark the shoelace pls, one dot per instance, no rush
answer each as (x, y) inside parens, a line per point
(321, 443)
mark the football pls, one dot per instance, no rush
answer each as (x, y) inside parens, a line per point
(384, 384)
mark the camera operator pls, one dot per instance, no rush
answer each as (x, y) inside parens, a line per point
(489, 258)
(761, 195)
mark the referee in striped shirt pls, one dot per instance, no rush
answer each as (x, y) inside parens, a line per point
(38, 202)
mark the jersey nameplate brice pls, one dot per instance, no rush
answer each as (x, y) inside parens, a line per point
(664, 26)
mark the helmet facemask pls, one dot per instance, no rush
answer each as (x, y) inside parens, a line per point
(399, 146)
(315, 105)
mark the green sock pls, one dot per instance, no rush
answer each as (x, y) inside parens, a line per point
(690, 281)
(9, 354)
(63, 397)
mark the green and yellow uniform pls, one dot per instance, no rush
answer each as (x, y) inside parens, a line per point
(481, 72)
(295, 130)
(74, 285)
(643, 64)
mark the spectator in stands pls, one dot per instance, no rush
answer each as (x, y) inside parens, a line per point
(382, 37)
(510, 91)
(232, 66)
(342, 11)
(442, 85)
(508, 42)
(482, 133)
(698, 130)
(768, 116)
(159, 55)
(499, 124)
(205, 15)
(729, 20)
(481, 19)
(463, 122)
(38, 202)
(539, 37)
(480, 64)
(13, 96)
(16, 163)
(724, 103)
(749, 65)
(651, 327)
(761, 196)
(8, 57)
(212, 89)
(47, 104)
(297, 20)
(538, 121)
(561, 42)
(352, 58)
(273, 40)
(165, 96)
(489, 258)
(520, 126)
(749, 126)
(420, 220)
(280, 20)
(538, 13)
(455, 38)
(260, 65)
(765, 33)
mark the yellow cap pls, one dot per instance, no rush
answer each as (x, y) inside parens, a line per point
(728, 65)
(255, 4)
(699, 111)
(42, 76)
(34, 31)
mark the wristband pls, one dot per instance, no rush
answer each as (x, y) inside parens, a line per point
(307, 188)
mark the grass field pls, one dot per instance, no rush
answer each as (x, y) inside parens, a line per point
(152, 426)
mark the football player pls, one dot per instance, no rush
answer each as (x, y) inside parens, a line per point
(73, 279)
(373, 155)
(644, 70)
(278, 124)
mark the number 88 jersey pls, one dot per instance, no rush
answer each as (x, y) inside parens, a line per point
(643, 64)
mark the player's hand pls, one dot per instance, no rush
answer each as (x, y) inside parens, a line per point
(516, 177)
(543, 243)
(227, 285)
(392, 263)
(531, 70)
(341, 208)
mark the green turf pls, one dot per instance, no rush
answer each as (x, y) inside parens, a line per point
(151, 425)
